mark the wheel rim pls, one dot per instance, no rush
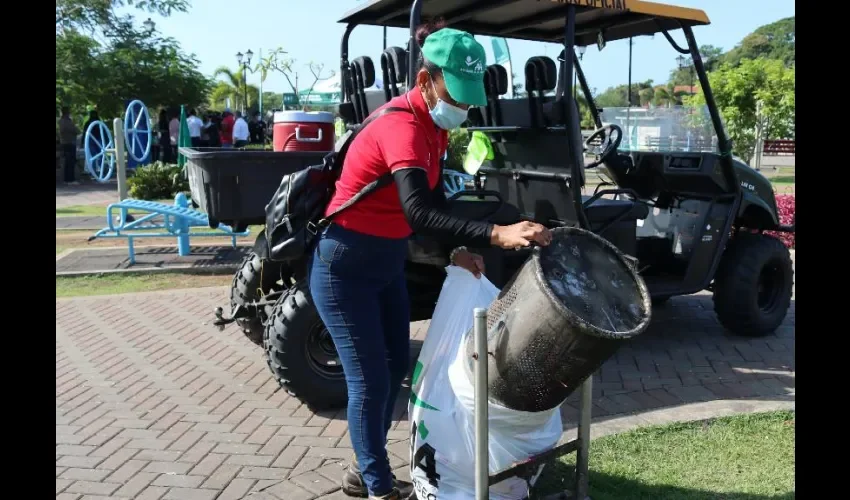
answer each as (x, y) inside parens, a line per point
(136, 125)
(321, 353)
(770, 286)
(100, 159)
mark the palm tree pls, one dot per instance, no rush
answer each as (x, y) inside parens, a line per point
(230, 86)
(667, 96)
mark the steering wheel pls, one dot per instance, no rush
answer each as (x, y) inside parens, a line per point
(609, 138)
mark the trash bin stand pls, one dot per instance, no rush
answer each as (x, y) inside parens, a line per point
(525, 469)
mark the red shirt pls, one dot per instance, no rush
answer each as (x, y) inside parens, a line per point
(394, 141)
(227, 129)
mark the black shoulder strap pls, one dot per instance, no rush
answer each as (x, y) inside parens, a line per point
(384, 180)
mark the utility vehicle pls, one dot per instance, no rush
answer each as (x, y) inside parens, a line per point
(690, 214)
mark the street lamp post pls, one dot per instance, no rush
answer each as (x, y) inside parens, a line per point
(244, 66)
(580, 50)
(149, 25)
(683, 63)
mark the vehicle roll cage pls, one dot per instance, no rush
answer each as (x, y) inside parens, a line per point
(569, 64)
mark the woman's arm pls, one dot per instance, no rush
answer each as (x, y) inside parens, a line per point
(417, 201)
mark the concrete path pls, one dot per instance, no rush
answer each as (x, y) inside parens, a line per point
(87, 192)
(153, 402)
(202, 258)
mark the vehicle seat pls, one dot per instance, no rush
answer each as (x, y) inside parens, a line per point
(554, 112)
(495, 85)
(394, 71)
(362, 77)
(541, 76)
(603, 210)
(623, 232)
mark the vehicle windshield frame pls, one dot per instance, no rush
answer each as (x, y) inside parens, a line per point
(569, 10)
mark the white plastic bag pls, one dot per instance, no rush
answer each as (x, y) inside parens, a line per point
(442, 433)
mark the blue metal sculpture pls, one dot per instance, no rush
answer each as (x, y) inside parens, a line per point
(177, 221)
(98, 145)
(137, 131)
(100, 153)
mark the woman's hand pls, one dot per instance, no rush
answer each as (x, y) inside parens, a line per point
(519, 235)
(472, 262)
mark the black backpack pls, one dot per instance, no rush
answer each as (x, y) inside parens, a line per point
(295, 214)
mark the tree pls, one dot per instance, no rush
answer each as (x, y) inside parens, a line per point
(277, 60)
(104, 60)
(618, 97)
(272, 100)
(738, 90)
(771, 41)
(232, 86)
(711, 56)
(518, 91)
(316, 70)
(668, 96)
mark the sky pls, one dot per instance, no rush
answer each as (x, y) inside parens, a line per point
(215, 30)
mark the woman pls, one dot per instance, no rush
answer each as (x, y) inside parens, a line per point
(356, 271)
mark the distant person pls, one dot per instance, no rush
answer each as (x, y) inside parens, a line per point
(226, 129)
(241, 134)
(174, 134)
(205, 131)
(93, 117)
(258, 129)
(164, 136)
(68, 133)
(195, 125)
(212, 128)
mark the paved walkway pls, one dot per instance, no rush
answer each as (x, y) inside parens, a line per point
(153, 402)
(203, 258)
(88, 192)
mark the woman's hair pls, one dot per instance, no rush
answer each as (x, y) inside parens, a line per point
(422, 33)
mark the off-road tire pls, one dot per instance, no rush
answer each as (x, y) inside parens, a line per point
(661, 301)
(291, 332)
(254, 273)
(753, 285)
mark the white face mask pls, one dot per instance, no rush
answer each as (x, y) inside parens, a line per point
(445, 115)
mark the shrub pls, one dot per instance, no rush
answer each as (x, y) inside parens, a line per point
(786, 205)
(157, 181)
(458, 141)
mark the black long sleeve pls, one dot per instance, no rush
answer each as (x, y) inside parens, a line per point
(420, 209)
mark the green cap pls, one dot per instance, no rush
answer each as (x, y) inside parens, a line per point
(463, 62)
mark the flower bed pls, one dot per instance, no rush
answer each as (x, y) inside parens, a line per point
(786, 205)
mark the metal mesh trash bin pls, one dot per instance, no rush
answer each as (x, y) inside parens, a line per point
(565, 312)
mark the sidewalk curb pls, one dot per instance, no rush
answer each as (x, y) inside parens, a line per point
(692, 412)
(223, 268)
(214, 270)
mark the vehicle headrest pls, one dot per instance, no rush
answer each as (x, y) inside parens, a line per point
(496, 80)
(396, 58)
(541, 74)
(365, 69)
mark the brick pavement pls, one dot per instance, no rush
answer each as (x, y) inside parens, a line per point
(153, 402)
(88, 192)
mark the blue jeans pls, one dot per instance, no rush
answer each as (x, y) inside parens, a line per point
(358, 285)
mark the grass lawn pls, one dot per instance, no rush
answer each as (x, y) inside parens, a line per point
(746, 457)
(108, 284)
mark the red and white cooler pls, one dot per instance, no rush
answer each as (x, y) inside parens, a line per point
(303, 131)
